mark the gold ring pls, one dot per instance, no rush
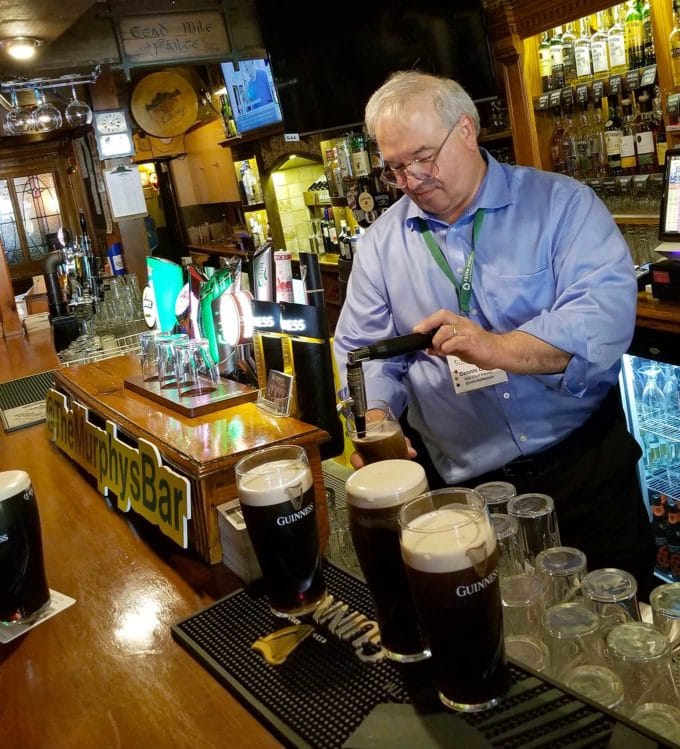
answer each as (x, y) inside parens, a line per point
(453, 329)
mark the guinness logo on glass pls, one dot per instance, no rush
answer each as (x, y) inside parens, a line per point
(295, 495)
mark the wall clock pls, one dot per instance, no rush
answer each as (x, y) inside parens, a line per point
(113, 134)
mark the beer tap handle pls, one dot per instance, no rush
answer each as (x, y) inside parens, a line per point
(357, 392)
(403, 344)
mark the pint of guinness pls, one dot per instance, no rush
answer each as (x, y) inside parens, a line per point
(276, 491)
(375, 494)
(23, 587)
(449, 551)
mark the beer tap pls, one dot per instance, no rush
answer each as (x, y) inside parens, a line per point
(385, 349)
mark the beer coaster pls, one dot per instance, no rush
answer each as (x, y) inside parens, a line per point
(328, 686)
(58, 602)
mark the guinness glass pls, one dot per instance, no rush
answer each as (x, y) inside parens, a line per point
(449, 550)
(23, 587)
(382, 438)
(276, 491)
(375, 494)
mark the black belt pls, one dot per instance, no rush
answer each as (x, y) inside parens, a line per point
(575, 443)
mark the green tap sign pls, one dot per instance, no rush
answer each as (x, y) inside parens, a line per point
(135, 475)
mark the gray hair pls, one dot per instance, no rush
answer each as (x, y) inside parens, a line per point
(450, 99)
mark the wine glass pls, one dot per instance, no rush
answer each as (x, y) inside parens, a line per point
(653, 401)
(18, 120)
(46, 116)
(77, 112)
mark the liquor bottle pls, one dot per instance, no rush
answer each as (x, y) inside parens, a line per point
(616, 43)
(228, 118)
(628, 156)
(569, 140)
(599, 48)
(361, 165)
(582, 55)
(674, 44)
(634, 32)
(556, 144)
(645, 144)
(557, 58)
(344, 159)
(612, 138)
(325, 231)
(597, 146)
(544, 62)
(568, 60)
(648, 50)
(661, 137)
(582, 141)
(333, 241)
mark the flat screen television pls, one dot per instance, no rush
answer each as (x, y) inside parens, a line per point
(669, 219)
(327, 58)
(252, 94)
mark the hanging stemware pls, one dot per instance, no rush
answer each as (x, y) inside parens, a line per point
(18, 120)
(77, 112)
(46, 116)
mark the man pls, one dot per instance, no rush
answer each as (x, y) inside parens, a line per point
(531, 290)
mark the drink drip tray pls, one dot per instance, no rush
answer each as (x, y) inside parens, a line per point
(332, 692)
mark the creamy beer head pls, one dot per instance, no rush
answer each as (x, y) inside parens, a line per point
(12, 483)
(448, 539)
(274, 482)
(385, 484)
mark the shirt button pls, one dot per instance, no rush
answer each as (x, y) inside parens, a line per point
(506, 395)
(523, 438)
(459, 270)
(473, 312)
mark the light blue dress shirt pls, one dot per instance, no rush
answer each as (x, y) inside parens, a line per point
(549, 261)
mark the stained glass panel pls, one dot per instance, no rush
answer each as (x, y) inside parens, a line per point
(8, 227)
(40, 212)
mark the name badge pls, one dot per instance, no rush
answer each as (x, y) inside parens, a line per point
(467, 377)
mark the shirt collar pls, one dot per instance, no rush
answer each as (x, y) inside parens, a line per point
(493, 193)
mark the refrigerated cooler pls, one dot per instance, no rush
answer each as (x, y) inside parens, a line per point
(650, 392)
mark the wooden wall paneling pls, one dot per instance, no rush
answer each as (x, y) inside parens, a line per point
(509, 53)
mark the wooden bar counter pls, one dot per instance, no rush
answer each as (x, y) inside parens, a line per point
(205, 449)
(105, 672)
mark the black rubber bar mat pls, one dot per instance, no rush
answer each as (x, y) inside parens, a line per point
(323, 691)
(25, 390)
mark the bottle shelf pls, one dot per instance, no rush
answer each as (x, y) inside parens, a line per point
(253, 206)
(486, 136)
(642, 219)
(658, 481)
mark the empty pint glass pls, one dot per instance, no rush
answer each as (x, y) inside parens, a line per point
(375, 494)
(23, 586)
(449, 550)
(276, 491)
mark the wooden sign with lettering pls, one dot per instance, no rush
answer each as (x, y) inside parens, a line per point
(136, 475)
(174, 37)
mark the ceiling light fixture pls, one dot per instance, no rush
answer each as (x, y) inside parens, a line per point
(21, 47)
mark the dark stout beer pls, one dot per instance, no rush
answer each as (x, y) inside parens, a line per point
(384, 441)
(23, 587)
(453, 575)
(375, 494)
(277, 499)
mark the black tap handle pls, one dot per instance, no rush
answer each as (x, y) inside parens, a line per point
(402, 344)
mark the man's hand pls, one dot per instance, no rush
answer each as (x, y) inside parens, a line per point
(515, 352)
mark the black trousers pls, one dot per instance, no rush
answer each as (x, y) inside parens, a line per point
(592, 478)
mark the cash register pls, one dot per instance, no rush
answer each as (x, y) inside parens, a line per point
(665, 274)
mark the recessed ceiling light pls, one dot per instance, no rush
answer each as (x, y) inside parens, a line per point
(21, 47)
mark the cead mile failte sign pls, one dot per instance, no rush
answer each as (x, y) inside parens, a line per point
(136, 476)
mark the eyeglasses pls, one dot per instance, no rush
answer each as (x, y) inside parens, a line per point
(420, 169)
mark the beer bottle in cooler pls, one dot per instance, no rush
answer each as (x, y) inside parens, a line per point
(673, 539)
(660, 531)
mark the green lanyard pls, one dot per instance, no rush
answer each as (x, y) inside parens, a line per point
(464, 289)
